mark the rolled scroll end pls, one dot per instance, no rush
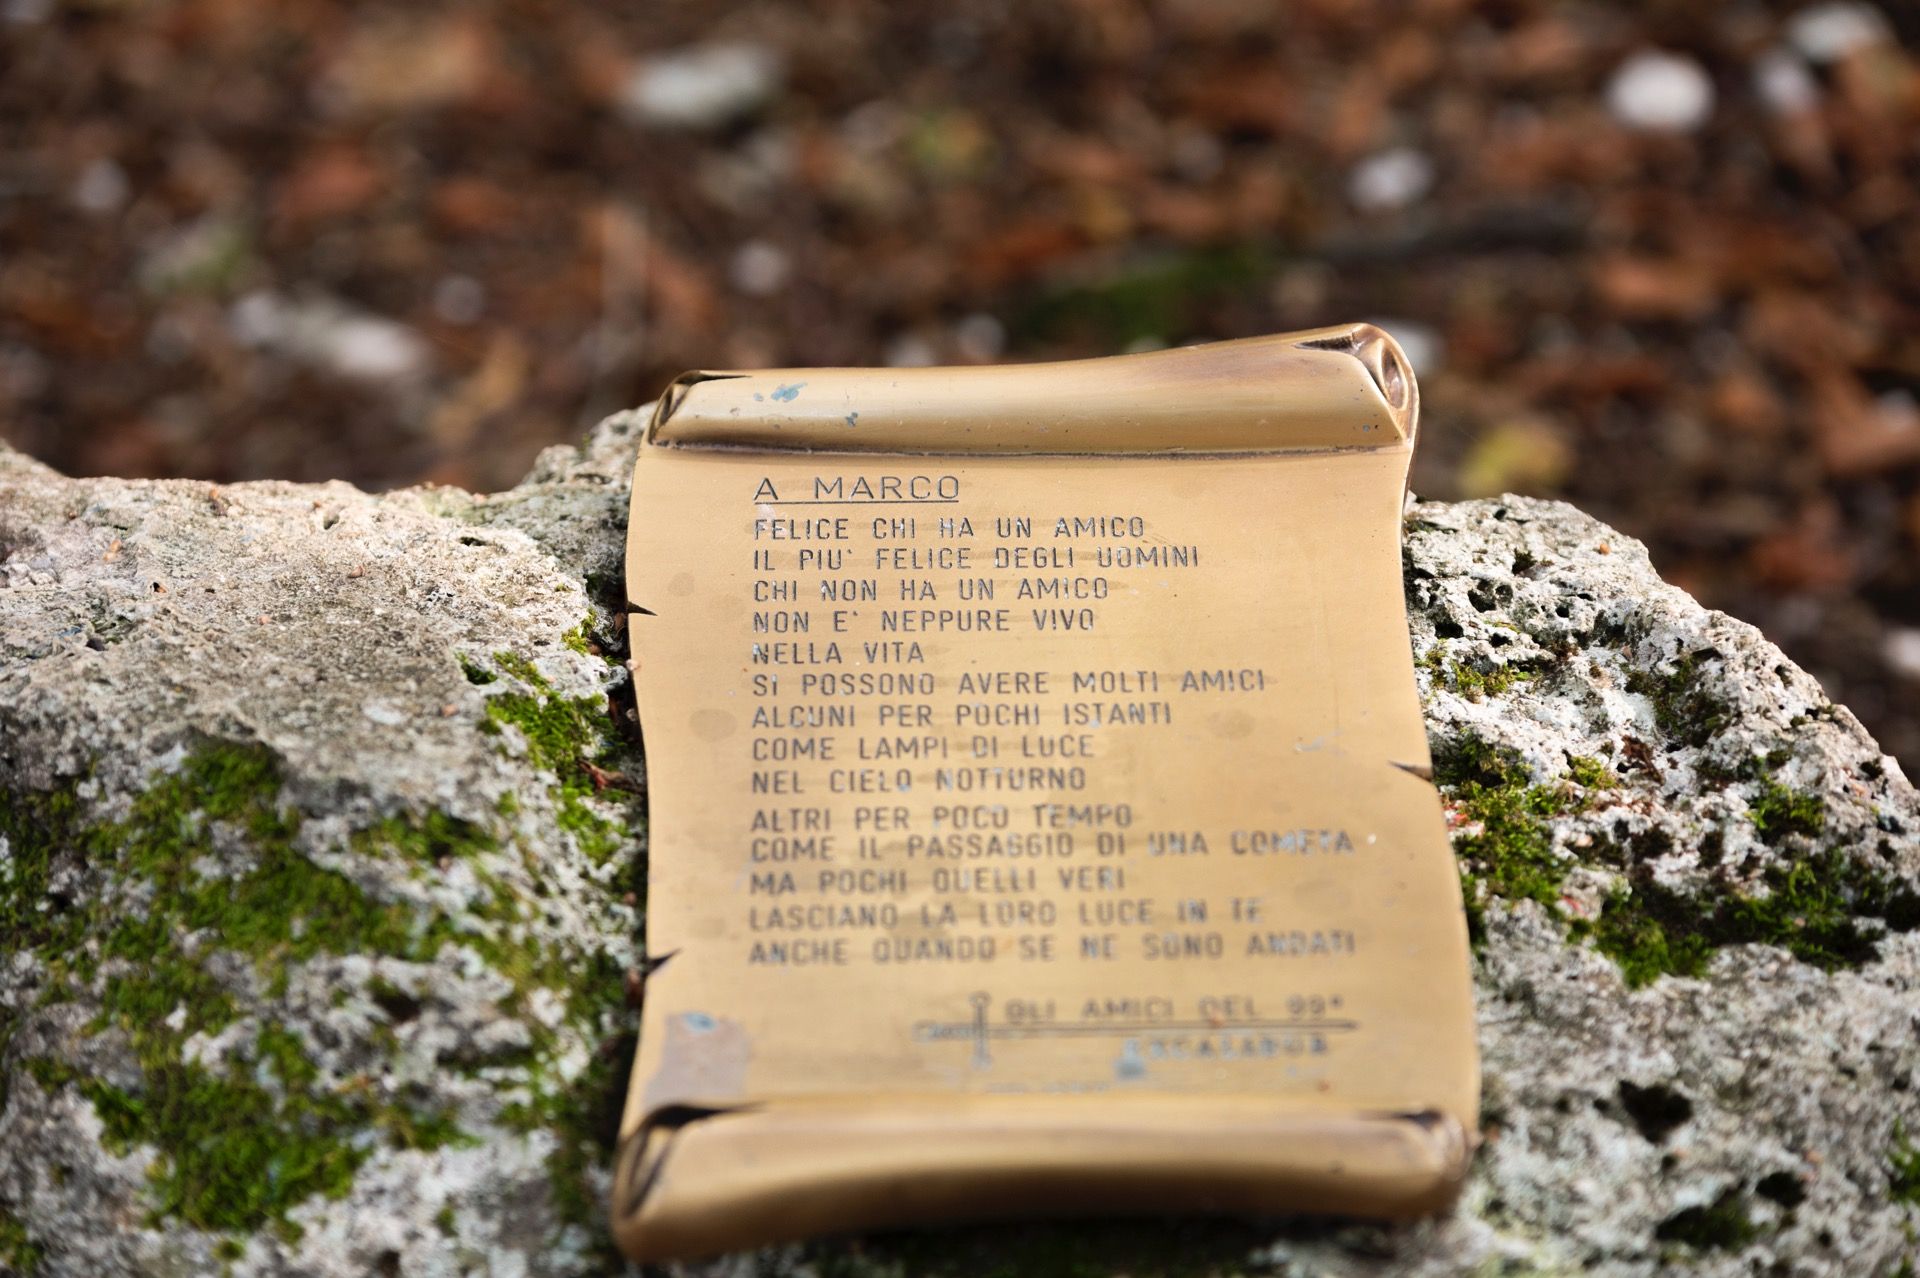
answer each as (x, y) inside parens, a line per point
(1347, 387)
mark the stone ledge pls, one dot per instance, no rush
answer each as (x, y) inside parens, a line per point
(323, 834)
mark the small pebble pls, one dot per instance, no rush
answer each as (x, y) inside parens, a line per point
(102, 187)
(1830, 32)
(1902, 650)
(702, 86)
(1660, 92)
(759, 269)
(1784, 83)
(374, 349)
(1390, 180)
(328, 334)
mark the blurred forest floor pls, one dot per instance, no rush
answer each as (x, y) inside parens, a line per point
(1662, 259)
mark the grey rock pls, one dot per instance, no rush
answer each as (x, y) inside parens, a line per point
(319, 920)
(1634, 1130)
(309, 881)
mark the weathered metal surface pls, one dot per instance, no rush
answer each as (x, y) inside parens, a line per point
(1038, 810)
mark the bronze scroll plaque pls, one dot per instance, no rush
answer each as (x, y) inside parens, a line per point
(1039, 809)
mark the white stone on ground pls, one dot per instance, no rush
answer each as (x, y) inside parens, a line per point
(1660, 92)
(1390, 179)
(1830, 32)
(702, 86)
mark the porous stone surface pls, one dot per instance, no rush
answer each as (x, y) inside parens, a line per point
(320, 829)
(321, 834)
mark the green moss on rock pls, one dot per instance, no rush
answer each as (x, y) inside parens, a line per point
(19, 1254)
(1778, 811)
(1813, 908)
(1684, 711)
(1508, 850)
(476, 673)
(1477, 684)
(242, 1148)
(583, 1114)
(238, 1147)
(32, 915)
(1722, 1225)
(1818, 908)
(209, 862)
(569, 737)
(426, 839)
(579, 638)
(1650, 931)
(574, 739)
(1590, 774)
(1903, 1169)
(282, 909)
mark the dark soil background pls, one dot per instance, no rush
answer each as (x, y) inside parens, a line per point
(1662, 259)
